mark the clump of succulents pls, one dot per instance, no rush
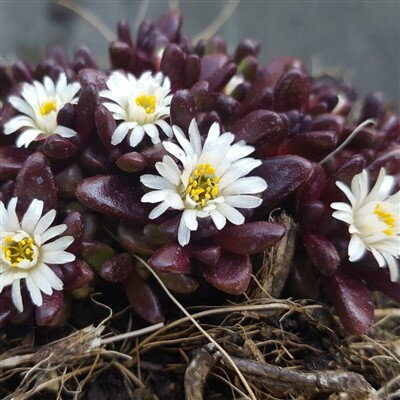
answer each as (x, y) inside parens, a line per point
(178, 154)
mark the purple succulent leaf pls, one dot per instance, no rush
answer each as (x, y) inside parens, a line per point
(105, 124)
(131, 162)
(247, 47)
(74, 222)
(11, 161)
(121, 55)
(124, 32)
(179, 283)
(170, 25)
(211, 64)
(171, 258)
(284, 175)
(67, 180)
(67, 116)
(172, 64)
(36, 181)
(50, 309)
(93, 76)
(85, 109)
(114, 196)
(250, 238)
(352, 301)
(221, 77)
(208, 254)
(322, 253)
(131, 238)
(311, 145)
(94, 159)
(183, 109)
(231, 274)
(191, 70)
(117, 269)
(59, 147)
(7, 309)
(22, 72)
(143, 299)
(76, 274)
(261, 125)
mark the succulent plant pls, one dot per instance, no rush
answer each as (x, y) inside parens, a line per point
(173, 123)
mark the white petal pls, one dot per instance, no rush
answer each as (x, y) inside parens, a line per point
(243, 201)
(119, 134)
(34, 291)
(41, 281)
(156, 182)
(185, 144)
(59, 244)
(345, 189)
(45, 222)
(247, 185)
(65, 132)
(27, 137)
(32, 216)
(175, 201)
(157, 211)
(16, 295)
(165, 127)
(190, 218)
(183, 233)
(156, 196)
(194, 136)
(167, 172)
(17, 123)
(136, 136)
(218, 219)
(356, 248)
(151, 130)
(53, 232)
(231, 214)
(343, 216)
(176, 151)
(55, 282)
(393, 268)
(58, 257)
(12, 220)
(342, 207)
(21, 106)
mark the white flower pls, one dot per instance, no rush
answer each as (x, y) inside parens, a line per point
(233, 83)
(26, 250)
(141, 104)
(373, 219)
(39, 105)
(211, 183)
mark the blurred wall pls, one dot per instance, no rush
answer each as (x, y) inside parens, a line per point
(360, 39)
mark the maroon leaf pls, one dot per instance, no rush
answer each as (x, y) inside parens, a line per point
(124, 32)
(105, 124)
(117, 269)
(67, 180)
(36, 181)
(96, 253)
(171, 258)
(220, 78)
(179, 283)
(114, 196)
(142, 298)
(76, 274)
(59, 147)
(191, 70)
(250, 238)
(352, 301)
(7, 309)
(131, 238)
(247, 47)
(207, 254)
(93, 76)
(131, 162)
(312, 145)
(170, 24)
(291, 91)
(390, 159)
(85, 109)
(51, 307)
(153, 154)
(283, 176)
(183, 109)
(11, 161)
(172, 63)
(231, 274)
(74, 222)
(380, 280)
(261, 124)
(211, 64)
(322, 253)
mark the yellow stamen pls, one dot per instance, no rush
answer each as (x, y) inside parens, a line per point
(48, 107)
(16, 251)
(203, 185)
(387, 218)
(148, 102)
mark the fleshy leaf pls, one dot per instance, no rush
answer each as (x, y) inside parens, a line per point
(117, 269)
(171, 258)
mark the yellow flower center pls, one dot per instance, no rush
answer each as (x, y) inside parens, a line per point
(15, 252)
(203, 184)
(148, 102)
(387, 218)
(48, 107)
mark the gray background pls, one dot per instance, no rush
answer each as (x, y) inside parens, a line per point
(359, 39)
